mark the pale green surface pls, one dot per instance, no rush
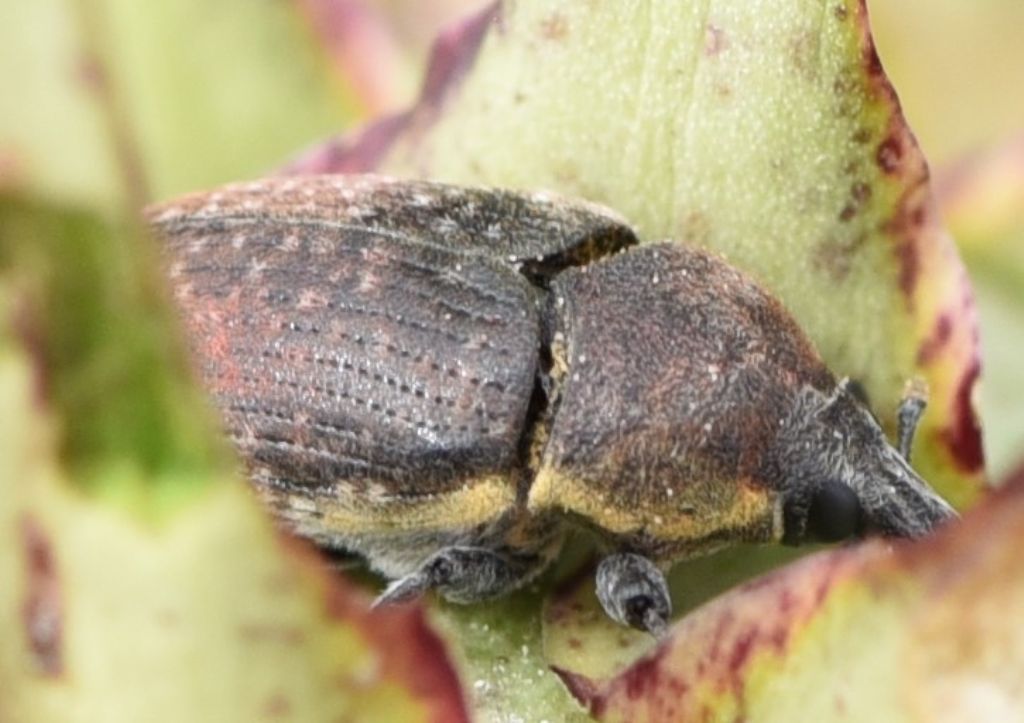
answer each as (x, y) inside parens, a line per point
(194, 92)
(842, 667)
(1002, 389)
(958, 65)
(51, 129)
(506, 676)
(218, 91)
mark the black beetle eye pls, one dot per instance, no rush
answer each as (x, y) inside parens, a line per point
(835, 513)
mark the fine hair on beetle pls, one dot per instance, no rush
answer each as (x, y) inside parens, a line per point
(443, 380)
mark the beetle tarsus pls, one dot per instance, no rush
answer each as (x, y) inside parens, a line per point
(462, 575)
(403, 590)
(633, 592)
(912, 406)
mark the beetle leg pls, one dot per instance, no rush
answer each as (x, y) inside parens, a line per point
(633, 592)
(464, 575)
(915, 399)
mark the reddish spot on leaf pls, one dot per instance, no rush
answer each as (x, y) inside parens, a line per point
(583, 690)
(13, 171)
(872, 62)
(357, 152)
(906, 252)
(889, 154)
(715, 41)
(860, 194)
(42, 610)
(451, 57)
(641, 677)
(277, 706)
(554, 27)
(836, 257)
(91, 73)
(963, 436)
(741, 650)
(939, 338)
(454, 52)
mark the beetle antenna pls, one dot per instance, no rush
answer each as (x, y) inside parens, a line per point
(912, 406)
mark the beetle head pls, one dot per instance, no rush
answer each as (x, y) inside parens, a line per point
(841, 477)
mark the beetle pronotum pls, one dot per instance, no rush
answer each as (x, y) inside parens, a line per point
(442, 379)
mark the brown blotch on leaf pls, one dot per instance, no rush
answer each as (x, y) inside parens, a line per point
(277, 706)
(845, 83)
(889, 154)
(835, 257)
(167, 618)
(862, 136)
(910, 266)
(715, 41)
(905, 227)
(42, 610)
(872, 63)
(554, 27)
(803, 51)
(267, 632)
(696, 228)
(13, 171)
(860, 194)
(939, 337)
(91, 73)
(840, 13)
(27, 327)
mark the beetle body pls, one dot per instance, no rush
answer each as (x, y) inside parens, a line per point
(441, 378)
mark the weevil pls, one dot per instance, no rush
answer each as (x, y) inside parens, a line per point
(443, 380)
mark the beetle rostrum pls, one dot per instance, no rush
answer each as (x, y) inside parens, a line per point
(444, 379)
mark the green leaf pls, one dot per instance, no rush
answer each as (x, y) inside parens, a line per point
(114, 100)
